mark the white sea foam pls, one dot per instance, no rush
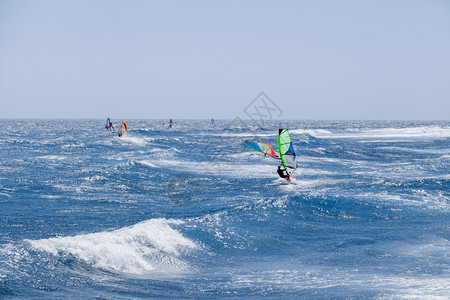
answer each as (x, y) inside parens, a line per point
(380, 133)
(427, 151)
(386, 133)
(422, 131)
(95, 178)
(390, 287)
(147, 163)
(170, 164)
(217, 168)
(423, 248)
(149, 247)
(76, 145)
(135, 140)
(313, 132)
(52, 157)
(437, 200)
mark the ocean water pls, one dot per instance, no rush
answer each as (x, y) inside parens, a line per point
(192, 212)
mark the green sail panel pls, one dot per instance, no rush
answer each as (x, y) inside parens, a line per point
(287, 152)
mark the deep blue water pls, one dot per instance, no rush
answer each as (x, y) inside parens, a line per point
(191, 212)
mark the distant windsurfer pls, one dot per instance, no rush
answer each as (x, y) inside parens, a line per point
(109, 125)
(170, 123)
(123, 129)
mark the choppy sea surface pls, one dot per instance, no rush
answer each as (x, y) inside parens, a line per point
(191, 212)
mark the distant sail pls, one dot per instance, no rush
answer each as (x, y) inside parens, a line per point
(123, 129)
(170, 123)
(287, 152)
(266, 149)
(109, 125)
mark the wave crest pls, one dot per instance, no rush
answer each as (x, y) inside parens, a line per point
(148, 247)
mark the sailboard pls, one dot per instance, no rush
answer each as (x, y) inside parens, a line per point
(123, 129)
(287, 151)
(266, 149)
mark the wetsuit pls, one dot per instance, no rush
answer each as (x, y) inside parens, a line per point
(282, 173)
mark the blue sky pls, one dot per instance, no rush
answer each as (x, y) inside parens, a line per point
(201, 59)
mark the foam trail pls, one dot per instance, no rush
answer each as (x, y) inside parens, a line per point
(149, 247)
(135, 140)
(52, 157)
(312, 132)
(389, 133)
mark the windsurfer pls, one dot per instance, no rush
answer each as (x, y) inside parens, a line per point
(111, 126)
(284, 173)
(123, 129)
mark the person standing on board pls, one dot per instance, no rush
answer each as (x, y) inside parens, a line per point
(123, 129)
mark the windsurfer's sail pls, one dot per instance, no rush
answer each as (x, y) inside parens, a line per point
(109, 125)
(123, 129)
(287, 152)
(261, 147)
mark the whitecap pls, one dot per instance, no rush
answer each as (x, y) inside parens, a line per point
(149, 247)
